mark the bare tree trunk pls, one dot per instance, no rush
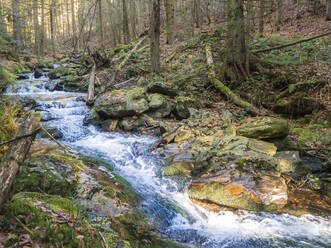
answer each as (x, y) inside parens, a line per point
(261, 17)
(236, 59)
(15, 156)
(101, 31)
(73, 22)
(279, 14)
(42, 33)
(53, 31)
(36, 28)
(17, 31)
(298, 9)
(170, 20)
(328, 10)
(68, 21)
(155, 37)
(126, 31)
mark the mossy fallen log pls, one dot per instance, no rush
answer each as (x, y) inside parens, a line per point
(226, 90)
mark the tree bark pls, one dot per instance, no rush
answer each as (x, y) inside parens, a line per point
(53, 31)
(17, 31)
(126, 31)
(328, 10)
(155, 37)
(42, 33)
(170, 20)
(236, 58)
(36, 28)
(73, 22)
(101, 31)
(90, 95)
(279, 14)
(15, 156)
(261, 16)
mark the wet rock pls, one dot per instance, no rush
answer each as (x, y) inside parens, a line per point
(22, 76)
(56, 133)
(47, 116)
(184, 135)
(92, 118)
(52, 85)
(263, 128)
(161, 87)
(81, 99)
(288, 161)
(121, 103)
(59, 72)
(160, 106)
(241, 191)
(132, 124)
(178, 169)
(38, 73)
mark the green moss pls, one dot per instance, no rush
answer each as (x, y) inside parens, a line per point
(59, 72)
(19, 68)
(36, 176)
(6, 78)
(178, 169)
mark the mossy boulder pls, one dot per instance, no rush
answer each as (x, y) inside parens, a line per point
(19, 68)
(162, 88)
(121, 103)
(183, 105)
(59, 72)
(295, 105)
(55, 221)
(241, 191)
(263, 128)
(160, 105)
(46, 174)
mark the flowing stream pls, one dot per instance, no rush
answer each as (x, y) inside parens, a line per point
(164, 201)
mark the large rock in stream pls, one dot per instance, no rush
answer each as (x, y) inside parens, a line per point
(121, 103)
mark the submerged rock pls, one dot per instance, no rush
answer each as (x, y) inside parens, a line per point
(121, 103)
(38, 73)
(263, 128)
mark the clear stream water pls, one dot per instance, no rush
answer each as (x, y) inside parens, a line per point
(192, 225)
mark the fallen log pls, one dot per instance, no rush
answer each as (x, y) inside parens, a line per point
(123, 84)
(15, 156)
(226, 90)
(291, 44)
(90, 94)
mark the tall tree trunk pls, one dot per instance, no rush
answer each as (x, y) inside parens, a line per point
(126, 31)
(68, 21)
(101, 31)
(17, 31)
(155, 37)
(328, 10)
(279, 14)
(53, 31)
(298, 9)
(250, 16)
(73, 22)
(261, 16)
(236, 58)
(36, 28)
(42, 33)
(15, 156)
(170, 20)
